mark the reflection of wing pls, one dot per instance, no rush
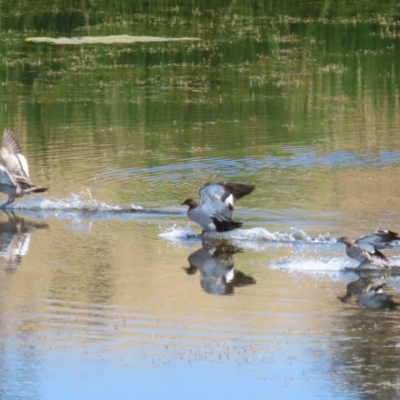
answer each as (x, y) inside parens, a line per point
(215, 274)
(15, 239)
(379, 240)
(213, 261)
(204, 261)
(216, 267)
(368, 293)
(12, 156)
(18, 247)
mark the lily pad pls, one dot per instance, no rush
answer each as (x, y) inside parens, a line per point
(106, 39)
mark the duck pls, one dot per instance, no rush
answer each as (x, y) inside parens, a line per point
(366, 249)
(214, 210)
(14, 173)
(368, 293)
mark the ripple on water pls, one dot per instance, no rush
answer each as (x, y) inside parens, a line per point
(233, 167)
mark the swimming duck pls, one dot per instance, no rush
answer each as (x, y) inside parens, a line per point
(368, 293)
(366, 249)
(214, 210)
(14, 173)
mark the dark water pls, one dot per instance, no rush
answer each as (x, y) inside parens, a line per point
(106, 290)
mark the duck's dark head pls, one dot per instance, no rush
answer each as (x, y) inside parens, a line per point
(192, 203)
(346, 240)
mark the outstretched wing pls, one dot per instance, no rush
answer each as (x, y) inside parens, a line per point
(213, 201)
(5, 178)
(12, 156)
(225, 193)
(237, 190)
(378, 240)
(10, 142)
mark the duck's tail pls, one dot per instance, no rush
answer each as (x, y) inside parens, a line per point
(225, 226)
(34, 189)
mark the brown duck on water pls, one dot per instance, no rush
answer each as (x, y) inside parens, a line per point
(366, 249)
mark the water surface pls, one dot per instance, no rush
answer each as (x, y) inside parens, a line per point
(106, 288)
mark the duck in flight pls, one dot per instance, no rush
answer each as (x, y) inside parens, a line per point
(14, 173)
(366, 249)
(214, 211)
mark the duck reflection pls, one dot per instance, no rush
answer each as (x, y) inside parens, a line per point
(216, 266)
(15, 238)
(368, 292)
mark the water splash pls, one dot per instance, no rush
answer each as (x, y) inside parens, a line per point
(336, 268)
(137, 208)
(247, 235)
(261, 234)
(175, 234)
(321, 264)
(82, 201)
(77, 207)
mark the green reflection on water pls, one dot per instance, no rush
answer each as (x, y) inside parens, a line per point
(285, 62)
(317, 74)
